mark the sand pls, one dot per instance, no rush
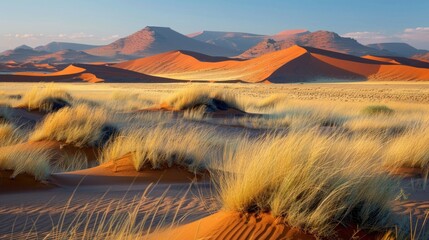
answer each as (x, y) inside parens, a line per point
(294, 64)
(92, 73)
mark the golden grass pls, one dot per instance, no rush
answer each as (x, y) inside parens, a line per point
(313, 182)
(164, 146)
(409, 150)
(80, 125)
(326, 169)
(35, 162)
(42, 97)
(10, 135)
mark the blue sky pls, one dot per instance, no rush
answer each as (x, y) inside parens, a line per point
(103, 21)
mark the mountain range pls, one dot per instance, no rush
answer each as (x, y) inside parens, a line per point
(151, 41)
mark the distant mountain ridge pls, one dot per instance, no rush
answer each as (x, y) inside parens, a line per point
(236, 41)
(239, 41)
(402, 50)
(59, 46)
(154, 40)
(321, 39)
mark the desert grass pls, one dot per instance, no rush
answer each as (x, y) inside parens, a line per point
(196, 96)
(43, 97)
(80, 125)
(33, 161)
(377, 110)
(409, 150)
(10, 135)
(311, 181)
(191, 147)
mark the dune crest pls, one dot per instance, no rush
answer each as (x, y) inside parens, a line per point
(234, 225)
(294, 64)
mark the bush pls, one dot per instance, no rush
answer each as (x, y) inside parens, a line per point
(378, 110)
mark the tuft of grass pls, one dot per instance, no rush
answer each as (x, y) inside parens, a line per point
(80, 125)
(165, 146)
(33, 161)
(47, 99)
(10, 135)
(311, 181)
(377, 110)
(409, 150)
(195, 97)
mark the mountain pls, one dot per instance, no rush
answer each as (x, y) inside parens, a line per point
(293, 64)
(241, 42)
(66, 56)
(320, 39)
(154, 40)
(402, 49)
(59, 46)
(20, 54)
(25, 47)
(236, 41)
(286, 34)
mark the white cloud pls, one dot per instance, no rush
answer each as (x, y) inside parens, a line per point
(416, 34)
(417, 37)
(370, 37)
(80, 36)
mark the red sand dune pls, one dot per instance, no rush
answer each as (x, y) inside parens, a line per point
(84, 73)
(233, 225)
(122, 171)
(289, 65)
(59, 152)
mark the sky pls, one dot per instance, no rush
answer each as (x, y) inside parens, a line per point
(100, 22)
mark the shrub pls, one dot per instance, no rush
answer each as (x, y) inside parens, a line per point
(377, 110)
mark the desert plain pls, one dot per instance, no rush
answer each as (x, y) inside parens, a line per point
(214, 160)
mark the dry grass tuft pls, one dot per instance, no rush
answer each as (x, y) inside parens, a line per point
(409, 150)
(80, 125)
(165, 146)
(313, 182)
(377, 110)
(34, 161)
(195, 97)
(46, 98)
(10, 135)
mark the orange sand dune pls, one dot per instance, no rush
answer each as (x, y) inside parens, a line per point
(289, 65)
(59, 152)
(84, 73)
(381, 59)
(70, 70)
(122, 171)
(22, 182)
(89, 77)
(233, 225)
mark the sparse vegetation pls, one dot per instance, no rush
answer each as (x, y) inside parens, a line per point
(311, 181)
(312, 165)
(80, 125)
(165, 146)
(46, 99)
(33, 161)
(377, 110)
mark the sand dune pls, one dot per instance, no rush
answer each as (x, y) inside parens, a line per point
(84, 73)
(293, 64)
(122, 171)
(233, 225)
